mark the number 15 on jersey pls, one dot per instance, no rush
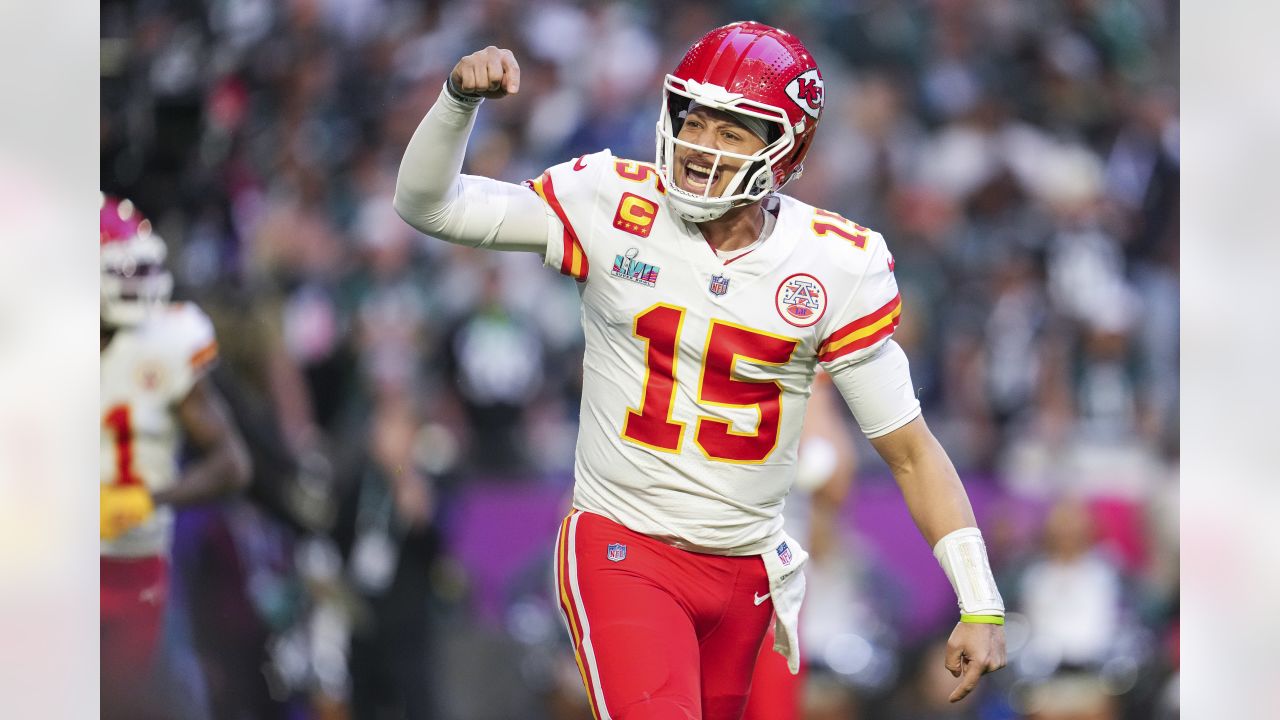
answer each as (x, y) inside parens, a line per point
(652, 424)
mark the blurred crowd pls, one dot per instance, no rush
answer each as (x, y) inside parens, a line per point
(1020, 156)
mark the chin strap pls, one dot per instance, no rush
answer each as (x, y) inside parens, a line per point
(695, 212)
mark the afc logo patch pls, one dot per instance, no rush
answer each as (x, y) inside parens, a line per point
(808, 91)
(616, 552)
(150, 376)
(635, 214)
(801, 300)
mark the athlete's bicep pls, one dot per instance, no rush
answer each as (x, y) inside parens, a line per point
(205, 417)
(878, 389)
(528, 223)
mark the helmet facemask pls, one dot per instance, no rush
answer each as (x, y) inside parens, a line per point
(134, 279)
(755, 177)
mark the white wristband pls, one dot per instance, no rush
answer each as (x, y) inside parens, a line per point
(963, 557)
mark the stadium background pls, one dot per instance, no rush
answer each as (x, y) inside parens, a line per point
(1020, 157)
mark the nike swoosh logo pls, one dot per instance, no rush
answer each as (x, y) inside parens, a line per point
(761, 598)
(578, 164)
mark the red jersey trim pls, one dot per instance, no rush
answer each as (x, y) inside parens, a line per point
(863, 332)
(574, 260)
(205, 355)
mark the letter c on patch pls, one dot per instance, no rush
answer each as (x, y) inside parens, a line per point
(635, 214)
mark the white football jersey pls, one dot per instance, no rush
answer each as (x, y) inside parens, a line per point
(147, 369)
(697, 369)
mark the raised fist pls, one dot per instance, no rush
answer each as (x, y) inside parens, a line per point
(489, 73)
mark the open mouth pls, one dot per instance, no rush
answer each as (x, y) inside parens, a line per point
(698, 177)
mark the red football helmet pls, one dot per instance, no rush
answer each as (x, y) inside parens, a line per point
(750, 69)
(131, 257)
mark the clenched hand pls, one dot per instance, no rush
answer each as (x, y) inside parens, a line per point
(489, 73)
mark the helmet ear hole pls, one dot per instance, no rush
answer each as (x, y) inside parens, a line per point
(761, 178)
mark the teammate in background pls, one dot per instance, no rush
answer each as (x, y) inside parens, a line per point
(708, 301)
(824, 476)
(154, 391)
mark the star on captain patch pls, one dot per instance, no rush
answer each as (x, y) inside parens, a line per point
(719, 285)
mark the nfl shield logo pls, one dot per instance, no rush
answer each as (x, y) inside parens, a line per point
(784, 554)
(617, 551)
(719, 285)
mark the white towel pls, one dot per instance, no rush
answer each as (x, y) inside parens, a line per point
(786, 586)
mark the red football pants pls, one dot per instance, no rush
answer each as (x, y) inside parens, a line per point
(660, 633)
(133, 594)
(775, 692)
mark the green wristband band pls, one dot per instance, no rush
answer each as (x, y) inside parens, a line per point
(983, 619)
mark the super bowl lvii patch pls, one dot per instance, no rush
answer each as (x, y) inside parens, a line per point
(626, 266)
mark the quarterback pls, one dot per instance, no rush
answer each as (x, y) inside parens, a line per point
(155, 356)
(708, 302)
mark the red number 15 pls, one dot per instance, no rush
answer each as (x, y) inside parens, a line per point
(652, 424)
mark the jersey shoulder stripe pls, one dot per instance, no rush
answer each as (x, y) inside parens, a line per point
(205, 356)
(863, 332)
(178, 341)
(574, 263)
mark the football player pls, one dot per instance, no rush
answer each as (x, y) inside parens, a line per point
(154, 392)
(708, 300)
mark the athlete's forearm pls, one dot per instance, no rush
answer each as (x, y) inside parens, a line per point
(224, 465)
(929, 482)
(433, 196)
(940, 507)
(220, 472)
(432, 161)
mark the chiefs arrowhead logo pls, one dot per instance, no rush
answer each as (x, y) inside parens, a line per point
(808, 91)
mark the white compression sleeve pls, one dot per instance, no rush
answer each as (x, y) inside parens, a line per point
(878, 390)
(432, 195)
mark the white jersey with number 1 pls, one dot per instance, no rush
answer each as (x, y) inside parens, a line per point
(697, 370)
(147, 369)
